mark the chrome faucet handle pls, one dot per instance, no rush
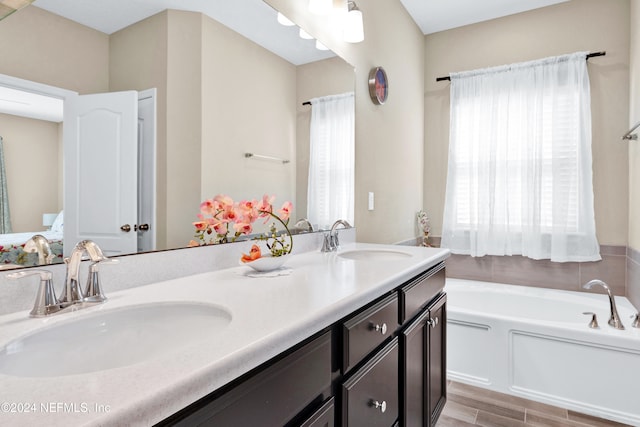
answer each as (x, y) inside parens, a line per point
(636, 321)
(93, 291)
(335, 242)
(46, 302)
(593, 324)
(71, 293)
(326, 243)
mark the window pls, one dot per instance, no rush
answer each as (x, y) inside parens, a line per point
(331, 160)
(519, 178)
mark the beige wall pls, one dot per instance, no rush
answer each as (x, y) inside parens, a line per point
(589, 25)
(213, 105)
(138, 60)
(43, 47)
(31, 151)
(321, 78)
(634, 117)
(248, 106)
(389, 138)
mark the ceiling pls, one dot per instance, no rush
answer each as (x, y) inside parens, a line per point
(439, 15)
(257, 21)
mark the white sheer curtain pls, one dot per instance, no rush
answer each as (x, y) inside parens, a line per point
(331, 160)
(520, 178)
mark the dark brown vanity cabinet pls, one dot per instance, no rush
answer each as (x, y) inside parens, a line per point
(383, 365)
(404, 381)
(288, 391)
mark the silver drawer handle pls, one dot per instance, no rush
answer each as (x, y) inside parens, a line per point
(433, 322)
(379, 405)
(380, 328)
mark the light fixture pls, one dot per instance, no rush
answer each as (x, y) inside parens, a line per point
(320, 46)
(321, 7)
(7, 7)
(353, 25)
(305, 35)
(284, 20)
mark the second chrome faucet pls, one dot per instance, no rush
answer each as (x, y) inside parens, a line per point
(331, 242)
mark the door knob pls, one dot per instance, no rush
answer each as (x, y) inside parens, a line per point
(143, 227)
(126, 228)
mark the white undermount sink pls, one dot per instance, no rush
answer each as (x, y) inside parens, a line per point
(112, 339)
(373, 255)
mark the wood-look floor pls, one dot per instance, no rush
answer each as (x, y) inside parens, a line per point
(473, 406)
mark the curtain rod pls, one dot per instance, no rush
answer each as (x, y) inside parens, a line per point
(306, 103)
(590, 55)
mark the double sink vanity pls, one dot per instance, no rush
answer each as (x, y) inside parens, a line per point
(353, 337)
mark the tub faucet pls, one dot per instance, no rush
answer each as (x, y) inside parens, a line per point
(72, 293)
(614, 320)
(38, 243)
(331, 242)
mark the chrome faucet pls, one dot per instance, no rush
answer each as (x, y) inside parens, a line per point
(72, 293)
(614, 320)
(331, 242)
(38, 243)
(304, 224)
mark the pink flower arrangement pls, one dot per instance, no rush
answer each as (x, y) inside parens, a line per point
(220, 215)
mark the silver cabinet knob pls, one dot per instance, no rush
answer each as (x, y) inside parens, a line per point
(382, 406)
(380, 328)
(433, 322)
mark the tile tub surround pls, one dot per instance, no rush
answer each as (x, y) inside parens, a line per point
(633, 277)
(568, 276)
(322, 289)
(143, 269)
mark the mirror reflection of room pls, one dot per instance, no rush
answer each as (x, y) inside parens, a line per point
(200, 122)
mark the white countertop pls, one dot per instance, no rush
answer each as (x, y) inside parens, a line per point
(269, 315)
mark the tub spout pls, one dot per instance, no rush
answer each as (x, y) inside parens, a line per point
(614, 320)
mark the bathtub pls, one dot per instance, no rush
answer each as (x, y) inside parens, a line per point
(535, 343)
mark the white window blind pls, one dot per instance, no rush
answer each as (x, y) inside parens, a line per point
(331, 160)
(519, 177)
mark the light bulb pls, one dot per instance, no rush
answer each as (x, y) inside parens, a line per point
(305, 35)
(353, 26)
(320, 46)
(284, 20)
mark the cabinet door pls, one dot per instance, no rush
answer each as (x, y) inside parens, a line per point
(370, 395)
(413, 372)
(436, 358)
(422, 369)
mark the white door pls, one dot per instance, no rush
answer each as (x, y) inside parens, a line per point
(147, 170)
(100, 171)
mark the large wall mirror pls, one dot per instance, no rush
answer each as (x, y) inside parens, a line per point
(219, 95)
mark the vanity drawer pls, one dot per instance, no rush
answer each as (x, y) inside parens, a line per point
(323, 417)
(272, 397)
(368, 329)
(416, 294)
(370, 396)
